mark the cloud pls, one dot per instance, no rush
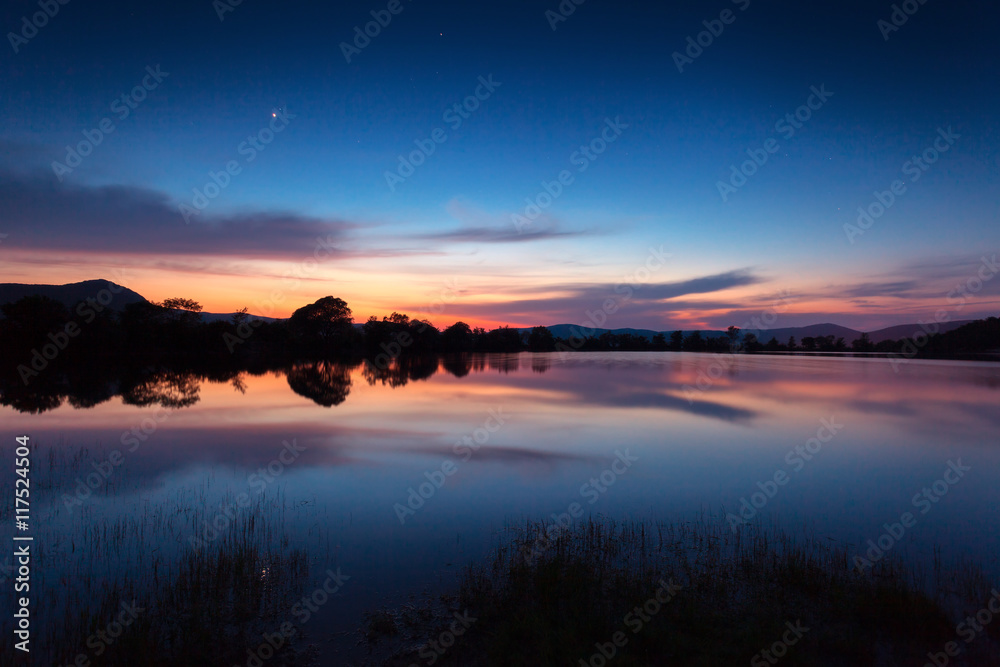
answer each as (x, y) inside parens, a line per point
(493, 235)
(479, 226)
(648, 305)
(899, 288)
(41, 213)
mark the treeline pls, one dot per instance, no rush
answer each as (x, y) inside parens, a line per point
(37, 333)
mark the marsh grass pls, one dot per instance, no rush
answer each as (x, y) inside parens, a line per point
(548, 602)
(202, 606)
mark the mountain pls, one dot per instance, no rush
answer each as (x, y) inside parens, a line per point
(104, 292)
(813, 331)
(116, 296)
(764, 335)
(905, 330)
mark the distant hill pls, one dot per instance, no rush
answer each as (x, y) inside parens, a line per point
(72, 294)
(764, 335)
(226, 317)
(813, 331)
(905, 330)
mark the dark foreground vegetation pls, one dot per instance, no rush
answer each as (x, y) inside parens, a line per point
(698, 594)
(134, 591)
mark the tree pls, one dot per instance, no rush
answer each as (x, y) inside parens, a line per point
(862, 344)
(327, 322)
(659, 342)
(457, 338)
(734, 336)
(32, 318)
(541, 340)
(240, 317)
(677, 340)
(694, 342)
(180, 303)
(791, 343)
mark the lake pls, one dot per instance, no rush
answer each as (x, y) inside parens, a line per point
(395, 481)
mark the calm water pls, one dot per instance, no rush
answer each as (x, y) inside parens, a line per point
(541, 432)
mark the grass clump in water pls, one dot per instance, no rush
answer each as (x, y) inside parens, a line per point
(701, 594)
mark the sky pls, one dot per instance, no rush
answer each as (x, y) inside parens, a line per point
(624, 164)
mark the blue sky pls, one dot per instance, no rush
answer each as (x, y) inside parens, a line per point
(655, 184)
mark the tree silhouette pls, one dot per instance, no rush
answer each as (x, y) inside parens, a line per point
(327, 323)
(180, 303)
(862, 344)
(694, 342)
(457, 337)
(325, 382)
(541, 340)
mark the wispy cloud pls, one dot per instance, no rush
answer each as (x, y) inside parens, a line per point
(41, 213)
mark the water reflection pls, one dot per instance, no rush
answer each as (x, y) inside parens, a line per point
(369, 434)
(326, 383)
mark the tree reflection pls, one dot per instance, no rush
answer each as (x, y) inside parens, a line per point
(171, 389)
(325, 382)
(540, 363)
(458, 365)
(398, 372)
